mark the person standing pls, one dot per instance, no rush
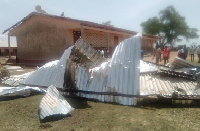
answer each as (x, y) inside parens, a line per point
(181, 53)
(198, 53)
(102, 53)
(158, 54)
(142, 54)
(185, 52)
(192, 50)
(166, 55)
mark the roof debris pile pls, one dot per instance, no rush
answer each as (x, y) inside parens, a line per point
(53, 103)
(165, 86)
(116, 80)
(180, 68)
(176, 81)
(81, 71)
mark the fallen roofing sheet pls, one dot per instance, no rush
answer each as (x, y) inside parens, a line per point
(116, 80)
(15, 80)
(120, 79)
(158, 85)
(146, 67)
(21, 91)
(183, 72)
(53, 103)
(181, 63)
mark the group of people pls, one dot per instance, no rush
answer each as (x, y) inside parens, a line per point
(182, 53)
(159, 52)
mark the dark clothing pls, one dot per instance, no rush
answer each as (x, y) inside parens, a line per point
(142, 54)
(166, 60)
(181, 54)
(185, 52)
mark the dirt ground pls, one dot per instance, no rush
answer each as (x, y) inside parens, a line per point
(173, 54)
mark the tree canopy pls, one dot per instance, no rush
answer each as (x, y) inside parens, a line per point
(170, 25)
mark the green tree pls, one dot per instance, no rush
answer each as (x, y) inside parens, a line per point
(170, 26)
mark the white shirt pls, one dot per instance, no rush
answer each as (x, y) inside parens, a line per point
(192, 50)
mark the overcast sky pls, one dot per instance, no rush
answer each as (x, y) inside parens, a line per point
(127, 14)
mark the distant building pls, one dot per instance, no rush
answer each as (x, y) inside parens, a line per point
(43, 37)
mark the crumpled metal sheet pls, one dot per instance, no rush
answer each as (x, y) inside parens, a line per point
(113, 81)
(183, 72)
(181, 63)
(146, 67)
(15, 80)
(155, 85)
(19, 91)
(53, 103)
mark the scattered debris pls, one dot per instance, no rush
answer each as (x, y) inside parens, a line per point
(15, 80)
(83, 72)
(19, 91)
(181, 63)
(4, 74)
(53, 103)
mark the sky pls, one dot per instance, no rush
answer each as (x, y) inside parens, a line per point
(126, 14)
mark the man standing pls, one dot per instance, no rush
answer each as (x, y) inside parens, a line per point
(192, 50)
(158, 54)
(166, 55)
(142, 54)
(185, 52)
(198, 53)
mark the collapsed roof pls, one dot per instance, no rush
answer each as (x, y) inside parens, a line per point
(122, 79)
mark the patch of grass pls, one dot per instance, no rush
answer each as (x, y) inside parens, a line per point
(22, 114)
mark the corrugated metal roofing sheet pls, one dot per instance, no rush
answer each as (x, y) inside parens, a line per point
(119, 75)
(156, 85)
(22, 91)
(51, 73)
(15, 79)
(181, 63)
(53, 103)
